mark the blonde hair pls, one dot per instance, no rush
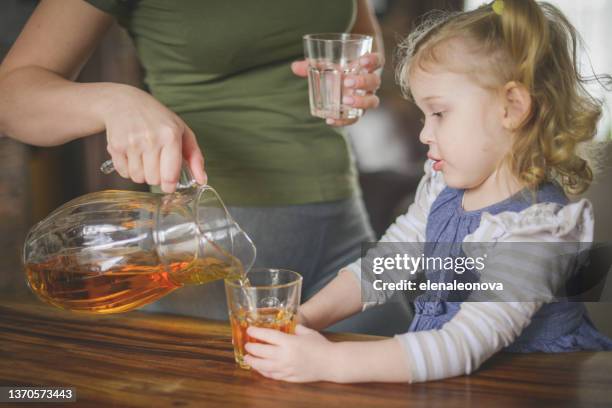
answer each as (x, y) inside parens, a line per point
(534, 45)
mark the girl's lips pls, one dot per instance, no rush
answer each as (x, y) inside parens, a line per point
(437, 166)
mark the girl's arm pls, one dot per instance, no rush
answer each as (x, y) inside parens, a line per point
(342, 297)
(369, 361)
(308, 356)
(338, 300)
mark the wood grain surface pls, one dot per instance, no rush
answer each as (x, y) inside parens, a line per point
(149, 360)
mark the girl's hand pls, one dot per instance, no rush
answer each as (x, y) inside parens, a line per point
(365, 83)
(147, 141)
(287, 357)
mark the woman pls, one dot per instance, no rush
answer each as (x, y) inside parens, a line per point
(218, 75)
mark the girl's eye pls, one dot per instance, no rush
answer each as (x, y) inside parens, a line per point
(438, 114)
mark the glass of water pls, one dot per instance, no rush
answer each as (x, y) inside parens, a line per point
(267, 298)
(332, 56)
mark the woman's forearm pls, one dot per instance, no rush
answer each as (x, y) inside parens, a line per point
(338, 300)
(366, 23)
(369, 361)
(42, 108)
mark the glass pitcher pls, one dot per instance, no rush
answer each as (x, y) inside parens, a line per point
(113, 251)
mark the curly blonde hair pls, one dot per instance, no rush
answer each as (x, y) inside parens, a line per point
(532, 44)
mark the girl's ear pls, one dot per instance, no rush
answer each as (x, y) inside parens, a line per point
(517, 105)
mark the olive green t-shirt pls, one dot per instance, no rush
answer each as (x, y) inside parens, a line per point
(224, 67)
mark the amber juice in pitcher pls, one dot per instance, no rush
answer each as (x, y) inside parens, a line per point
(63, 282)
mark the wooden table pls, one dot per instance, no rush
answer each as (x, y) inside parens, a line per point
(145, 360)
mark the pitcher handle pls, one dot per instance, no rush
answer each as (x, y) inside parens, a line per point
(186, 180)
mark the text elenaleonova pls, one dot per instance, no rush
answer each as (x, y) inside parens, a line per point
(412, 264)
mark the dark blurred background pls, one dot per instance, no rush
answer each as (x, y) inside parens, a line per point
(34, 181)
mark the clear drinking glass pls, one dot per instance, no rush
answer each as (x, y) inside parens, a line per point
(269, 298)
(332, 56)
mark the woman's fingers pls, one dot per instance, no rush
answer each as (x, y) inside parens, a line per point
(120, 162)
(135, 166)
(369, 101)
(367, 82)
(340, 122)
(150, 161)
(193, 156)
(170, 161)
(359, 93)
(300, 68)
(158, 159)
(371, 62)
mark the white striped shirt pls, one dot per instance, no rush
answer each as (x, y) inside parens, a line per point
(480, 329)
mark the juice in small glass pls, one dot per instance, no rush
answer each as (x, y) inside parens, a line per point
(267, 298)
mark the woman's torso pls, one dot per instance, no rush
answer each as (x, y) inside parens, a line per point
(224, 67)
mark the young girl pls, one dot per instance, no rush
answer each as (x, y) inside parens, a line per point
(505, 109)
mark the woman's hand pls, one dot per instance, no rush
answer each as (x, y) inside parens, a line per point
(147, 141)
(302, 357)
(359, 89)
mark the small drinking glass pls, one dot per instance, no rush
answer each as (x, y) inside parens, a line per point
(270, 299)
(332, 56)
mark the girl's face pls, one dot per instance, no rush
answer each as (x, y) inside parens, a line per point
(462, 127)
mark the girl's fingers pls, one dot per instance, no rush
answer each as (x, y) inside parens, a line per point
(260, 364)
(270, 336)
(170, 161)
(268, 374)
(135, 166)
(368, 101)
(302, 330)
(367, 82)
(261, 350)
(150, 161)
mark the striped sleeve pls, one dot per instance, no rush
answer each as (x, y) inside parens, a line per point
(409, 227)
(480, 329)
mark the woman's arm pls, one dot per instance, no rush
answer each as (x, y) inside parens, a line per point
(367, 23)
(41, 105)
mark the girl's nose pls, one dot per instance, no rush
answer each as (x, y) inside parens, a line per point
(426, 136)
